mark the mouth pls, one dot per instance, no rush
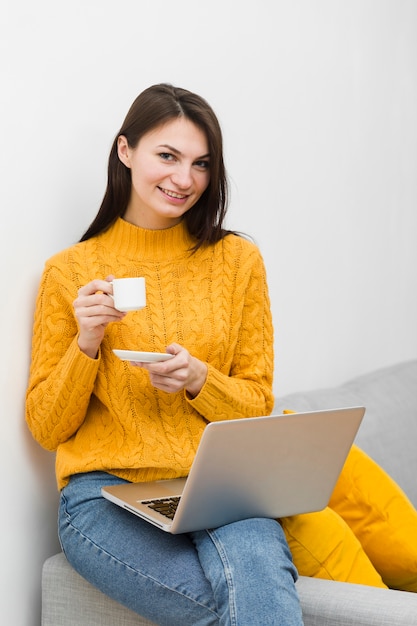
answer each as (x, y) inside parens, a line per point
(173, 194)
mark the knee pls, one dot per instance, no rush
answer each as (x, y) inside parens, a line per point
(261, 540)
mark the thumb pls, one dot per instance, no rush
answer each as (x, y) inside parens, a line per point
(174, 348)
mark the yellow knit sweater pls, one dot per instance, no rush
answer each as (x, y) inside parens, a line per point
(103, 414)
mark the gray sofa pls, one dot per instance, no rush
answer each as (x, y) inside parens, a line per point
(388, 433)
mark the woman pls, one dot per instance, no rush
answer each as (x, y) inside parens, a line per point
(110, 421)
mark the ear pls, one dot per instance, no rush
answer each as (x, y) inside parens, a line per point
(123, 150)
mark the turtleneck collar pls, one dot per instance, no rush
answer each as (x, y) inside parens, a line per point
(134, 242)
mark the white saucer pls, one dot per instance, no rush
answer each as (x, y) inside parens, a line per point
(142, 357)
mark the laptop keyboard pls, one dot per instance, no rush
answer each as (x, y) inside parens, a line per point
(165, 506)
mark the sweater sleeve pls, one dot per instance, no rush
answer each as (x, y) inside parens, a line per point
(246, 389)
(61, 376)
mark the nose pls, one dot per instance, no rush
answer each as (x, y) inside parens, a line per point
(182, 176)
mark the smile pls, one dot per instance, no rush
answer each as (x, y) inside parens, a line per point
(172, 194)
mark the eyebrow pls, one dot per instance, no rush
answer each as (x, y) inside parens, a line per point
(176, 151)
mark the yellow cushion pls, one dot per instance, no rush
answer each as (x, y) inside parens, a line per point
(323, 546)
(382, 518)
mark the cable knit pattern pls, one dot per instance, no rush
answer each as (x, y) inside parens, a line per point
(103, 414)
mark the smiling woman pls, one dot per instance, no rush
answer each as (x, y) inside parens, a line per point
(153, 112)
(169, 171)
(111, 421)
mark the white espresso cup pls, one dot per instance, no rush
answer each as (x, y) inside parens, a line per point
(129, 294)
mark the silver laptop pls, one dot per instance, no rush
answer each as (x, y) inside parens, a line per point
(272, 466)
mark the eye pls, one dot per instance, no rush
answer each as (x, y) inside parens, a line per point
(204, 165)
(166, 156)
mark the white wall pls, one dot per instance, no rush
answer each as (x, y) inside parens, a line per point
(317, 100)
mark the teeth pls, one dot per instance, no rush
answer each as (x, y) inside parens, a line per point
(173, 194)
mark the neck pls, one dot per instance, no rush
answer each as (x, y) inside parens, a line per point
(136, 242)
(154, 222)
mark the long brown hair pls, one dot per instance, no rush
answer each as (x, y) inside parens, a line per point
(152, 108)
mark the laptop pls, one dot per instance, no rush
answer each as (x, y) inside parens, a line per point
(272, 466)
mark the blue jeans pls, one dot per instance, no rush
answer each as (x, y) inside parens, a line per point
(240, 574)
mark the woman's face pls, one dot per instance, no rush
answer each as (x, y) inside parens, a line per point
(170, 171)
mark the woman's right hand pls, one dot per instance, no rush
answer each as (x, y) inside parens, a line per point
(94, 309)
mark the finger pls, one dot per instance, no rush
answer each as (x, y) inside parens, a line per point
(101, 313)
(174, 348)
(95, 300)
(95, 286)
(167, 384)
(166, 369)
(178, 377)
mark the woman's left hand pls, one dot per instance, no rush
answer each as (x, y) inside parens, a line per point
(182, 372)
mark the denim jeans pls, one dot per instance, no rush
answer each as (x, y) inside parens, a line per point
(240, 574)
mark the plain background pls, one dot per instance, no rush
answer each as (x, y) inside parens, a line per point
(317, 100)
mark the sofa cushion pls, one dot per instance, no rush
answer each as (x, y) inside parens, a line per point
(330, 603)
(389, 429)
(323, 546)
(69, 600)
(382, 518)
